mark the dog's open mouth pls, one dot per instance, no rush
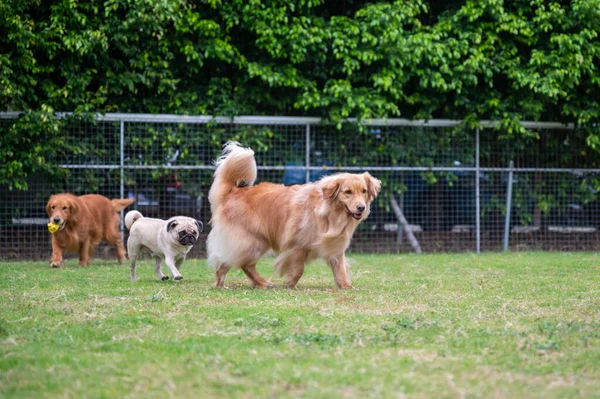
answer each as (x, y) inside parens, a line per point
(355, 215)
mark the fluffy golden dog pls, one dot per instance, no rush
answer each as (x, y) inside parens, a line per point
(300, 223)
(82, 223)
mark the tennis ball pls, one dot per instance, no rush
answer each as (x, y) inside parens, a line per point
(53, 227)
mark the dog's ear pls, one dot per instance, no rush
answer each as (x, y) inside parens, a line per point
(330, 189)
(73, 206)
(200, 226)
(172, 224)
(373, 184)
(49, 204)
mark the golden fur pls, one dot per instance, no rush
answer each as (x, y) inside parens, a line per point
(300, 223)
(84, 222)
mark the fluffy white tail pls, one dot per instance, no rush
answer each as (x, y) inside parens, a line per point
(131, 217)
(236, 167)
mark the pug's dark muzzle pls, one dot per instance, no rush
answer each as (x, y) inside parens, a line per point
(188, 239)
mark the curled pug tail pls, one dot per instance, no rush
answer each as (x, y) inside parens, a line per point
(131, 217)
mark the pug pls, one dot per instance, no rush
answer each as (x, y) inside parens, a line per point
(170, 240)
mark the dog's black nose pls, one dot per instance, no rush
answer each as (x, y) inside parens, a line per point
(188, 239)
(360, 208)
(56, 220)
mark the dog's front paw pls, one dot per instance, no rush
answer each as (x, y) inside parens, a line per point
(178, 277)
(55, 265)
(164, 278)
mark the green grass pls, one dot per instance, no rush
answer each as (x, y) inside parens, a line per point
(516, 325)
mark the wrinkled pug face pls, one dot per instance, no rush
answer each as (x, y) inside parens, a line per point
(185, 230)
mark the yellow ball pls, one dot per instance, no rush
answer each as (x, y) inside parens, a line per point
(53, 227)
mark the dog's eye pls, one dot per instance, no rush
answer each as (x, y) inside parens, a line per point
(64, 208)
(364, 190)
(348, 192)
(181, 233)
(52, 207)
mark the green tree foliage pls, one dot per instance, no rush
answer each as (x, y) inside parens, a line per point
(471, 60)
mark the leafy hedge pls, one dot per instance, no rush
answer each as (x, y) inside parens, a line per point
(471, 60)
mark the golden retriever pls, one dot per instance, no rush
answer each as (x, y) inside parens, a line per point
(83, 222)
(300, 223)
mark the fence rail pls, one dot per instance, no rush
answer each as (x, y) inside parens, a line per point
(457, 189)
(290, 120)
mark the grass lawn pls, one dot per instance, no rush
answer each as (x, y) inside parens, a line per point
(430, 326)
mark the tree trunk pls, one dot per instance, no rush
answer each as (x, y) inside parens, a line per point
(402, 220)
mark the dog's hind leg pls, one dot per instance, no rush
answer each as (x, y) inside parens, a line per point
(132, 260)
(120, 249)
(113, 236)
(257, 280)
(158, 270)
(221, 272)
(133, 250)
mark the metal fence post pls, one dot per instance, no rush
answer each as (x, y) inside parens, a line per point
(307, 152)
(477, 196)
(399, 233)
(122, 174)
(508, 204)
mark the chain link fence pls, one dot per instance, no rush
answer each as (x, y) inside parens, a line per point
(446, 187)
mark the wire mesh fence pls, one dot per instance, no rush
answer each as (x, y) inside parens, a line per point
(452, 188)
